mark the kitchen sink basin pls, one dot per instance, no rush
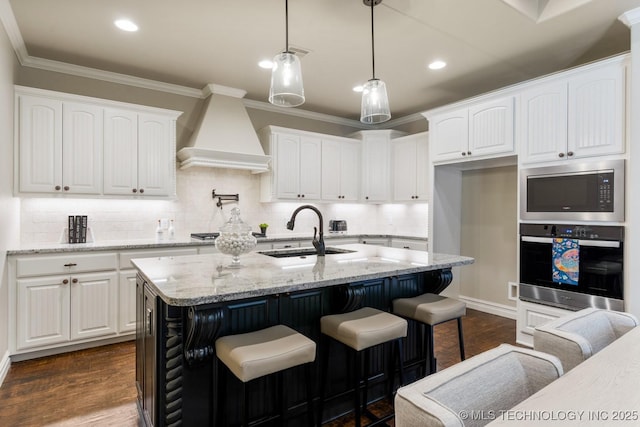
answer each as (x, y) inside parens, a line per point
(302, 252)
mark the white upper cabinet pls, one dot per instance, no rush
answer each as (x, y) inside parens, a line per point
(340, 169)
(376, 164)
(69, 144)
(575, 116)
(411, 168)
(59, 146)
(478, 130)
(296, 165)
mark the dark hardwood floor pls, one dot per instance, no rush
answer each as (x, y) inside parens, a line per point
(96, 387)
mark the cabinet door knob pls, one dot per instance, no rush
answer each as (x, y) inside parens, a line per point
(141, 190)
(303, 195)
(570, 153)
(417, 197)
(74, 280)
(134, 190)
(469, 152)
(560, 154)
(57, 187)
(464, 154)
(66, 188)
(298, 196)
(65, 282)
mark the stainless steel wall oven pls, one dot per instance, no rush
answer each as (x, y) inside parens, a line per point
(572, 266)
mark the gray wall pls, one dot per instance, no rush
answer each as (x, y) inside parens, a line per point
(489, 229)
(9, 213)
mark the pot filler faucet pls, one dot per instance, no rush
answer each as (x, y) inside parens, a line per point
(317, 243)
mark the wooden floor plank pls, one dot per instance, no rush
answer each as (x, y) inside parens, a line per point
(96, 387)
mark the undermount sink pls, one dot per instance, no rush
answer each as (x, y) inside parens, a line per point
(302, 252)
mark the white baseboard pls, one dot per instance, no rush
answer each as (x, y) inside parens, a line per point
(5, 364)
(490, 307)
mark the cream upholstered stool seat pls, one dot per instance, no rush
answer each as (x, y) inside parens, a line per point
(264, 352)
(360, 330)
(430, 310)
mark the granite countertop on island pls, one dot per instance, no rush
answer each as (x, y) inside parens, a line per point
(201, 279)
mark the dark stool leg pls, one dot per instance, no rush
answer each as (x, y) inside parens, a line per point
(245, 405)
(310, 388)
(356, 385)
(367, 363)
(431, 362)
(282, 398)
(399, 347)
(325, 344)
(460, 338)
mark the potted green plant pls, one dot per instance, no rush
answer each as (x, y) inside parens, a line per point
(263, 228)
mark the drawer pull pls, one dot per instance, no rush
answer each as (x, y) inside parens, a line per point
(71, 264)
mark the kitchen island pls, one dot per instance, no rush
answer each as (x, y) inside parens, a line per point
(185, 303)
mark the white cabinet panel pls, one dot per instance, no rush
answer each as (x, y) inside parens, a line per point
(70, 144)
(296, 165)
(531, 315)
(479, 130)
(82, 136)
(449, 135)
(156, 155)
(575, 116)
(94, 305)
(340, 169)
(376, 167)
(543, 124)
(39, 144)
(491, 127)
(127, 305)
(411, 168)
(64, 264)
(120, 152)
(42, 311)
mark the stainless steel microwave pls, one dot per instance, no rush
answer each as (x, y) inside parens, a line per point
(592, 191)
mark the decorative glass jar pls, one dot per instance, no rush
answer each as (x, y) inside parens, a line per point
(235, 238)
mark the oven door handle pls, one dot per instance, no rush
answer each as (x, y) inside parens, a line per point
(596, 243)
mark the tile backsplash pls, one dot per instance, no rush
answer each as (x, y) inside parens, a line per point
(194, 210)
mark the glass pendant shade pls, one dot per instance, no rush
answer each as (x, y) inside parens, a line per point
(375, 103)
(286, 81)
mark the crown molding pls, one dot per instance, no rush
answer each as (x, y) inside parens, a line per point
(630, 17)
(13, 32)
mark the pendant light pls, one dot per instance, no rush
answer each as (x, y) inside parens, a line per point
(286, 75)
(375, 103)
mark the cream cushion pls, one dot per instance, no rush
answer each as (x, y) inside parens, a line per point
(488, 383)
(255, 354)
(363, 328)
(430, 309)
(576, 337)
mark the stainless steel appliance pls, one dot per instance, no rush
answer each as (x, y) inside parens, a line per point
(572, 266)
(337, 226)
(573, 192)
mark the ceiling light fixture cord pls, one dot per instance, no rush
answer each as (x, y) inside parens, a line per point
(286, 27)
(373, 51)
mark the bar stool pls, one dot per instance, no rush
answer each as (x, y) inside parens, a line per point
(264, 352)
(360, 330)
(430, 310)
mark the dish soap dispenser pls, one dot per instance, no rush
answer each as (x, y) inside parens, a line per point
(159, 232)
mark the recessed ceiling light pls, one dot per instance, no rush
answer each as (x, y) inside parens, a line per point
(436, 65)
(126, 25)
(358, 88)
(267, 64)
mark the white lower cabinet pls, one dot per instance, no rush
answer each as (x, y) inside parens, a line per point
(413, 244)
(64, 308)
(531, 315)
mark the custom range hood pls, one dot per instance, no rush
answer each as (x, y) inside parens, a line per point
(224, 136)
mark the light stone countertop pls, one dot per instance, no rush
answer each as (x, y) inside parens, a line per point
(201, 279)
(116, 245)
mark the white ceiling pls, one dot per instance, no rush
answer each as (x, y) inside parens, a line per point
(487, 44)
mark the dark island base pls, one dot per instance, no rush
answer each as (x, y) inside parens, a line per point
(179, 379)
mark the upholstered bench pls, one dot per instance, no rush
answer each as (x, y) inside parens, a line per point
(488, 383)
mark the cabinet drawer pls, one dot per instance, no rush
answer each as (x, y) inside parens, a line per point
(415, 245)
(64, 264)
(126, 257)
